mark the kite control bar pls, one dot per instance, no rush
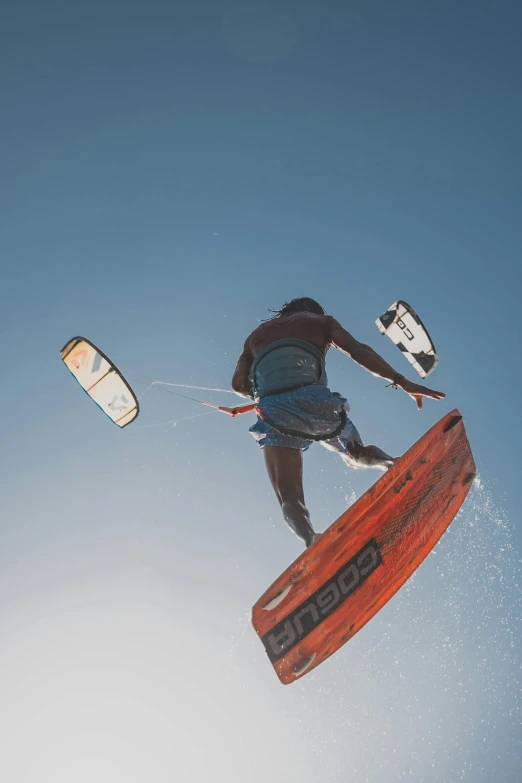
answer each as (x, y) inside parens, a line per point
(237, 411)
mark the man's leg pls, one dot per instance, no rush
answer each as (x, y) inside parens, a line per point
(359, 456)
(285, 470)
(356, 454)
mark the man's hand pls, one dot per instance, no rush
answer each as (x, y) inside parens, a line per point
(417, 391)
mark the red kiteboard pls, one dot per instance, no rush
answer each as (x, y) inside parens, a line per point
(360, 561)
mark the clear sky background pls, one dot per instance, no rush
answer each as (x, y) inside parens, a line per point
(168, 171)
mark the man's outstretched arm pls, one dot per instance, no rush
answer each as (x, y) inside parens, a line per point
(371, 361)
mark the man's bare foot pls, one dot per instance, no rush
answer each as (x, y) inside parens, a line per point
(316, 537)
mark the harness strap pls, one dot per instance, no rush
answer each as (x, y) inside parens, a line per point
(306, 435)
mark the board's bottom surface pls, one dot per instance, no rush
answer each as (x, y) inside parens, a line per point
(336, 586)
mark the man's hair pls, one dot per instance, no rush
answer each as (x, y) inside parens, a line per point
(303, 304)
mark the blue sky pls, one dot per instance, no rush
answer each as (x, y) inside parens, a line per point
(170, 170)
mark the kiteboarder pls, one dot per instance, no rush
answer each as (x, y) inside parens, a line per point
(282, 368)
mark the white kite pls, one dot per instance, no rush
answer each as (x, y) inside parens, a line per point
(101, 379)
(404, 328)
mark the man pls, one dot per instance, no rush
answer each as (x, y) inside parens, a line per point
(283, 368)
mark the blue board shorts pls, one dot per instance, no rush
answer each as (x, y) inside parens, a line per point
(312, 413)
